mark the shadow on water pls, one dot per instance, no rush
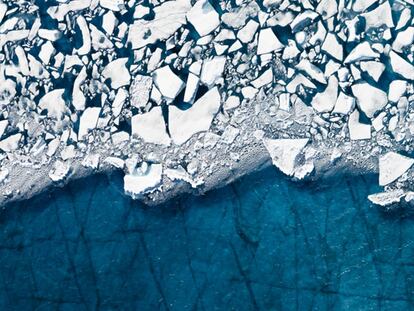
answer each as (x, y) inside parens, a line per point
(261, 243)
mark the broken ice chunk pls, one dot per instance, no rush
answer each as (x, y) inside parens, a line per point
(46, 52)
(99, 40)
(231, 102)
(392, 166)
(49, 34)
(191, 88)
(362, 51)
(59, 171)
(302, 20)
(113, 5)
(327, 8)
(203, 17)
(168, 17)
(86, 36)
(168, 83)
(117, 72)
(268, 42)
(403, 39)
(54, 103)
(247, 33)
(140, 182)
(387, 198)
(91, 160)
(344, 104)
(3, 126)
(357, 130)
(183, 124)
(61, 11)
(78, 98)
(140, 90)
(369, 99)
(362, 5)
(115, 162)
(379, 16)
(264, 79)
(397, 89)
(333, 47)
(10, 143)
(401, 66)
(284, 153)
(374, 69)
(325, 101)
(7, 91)
(179, 173)
(88, 121)
(212, 70)
(150, 126)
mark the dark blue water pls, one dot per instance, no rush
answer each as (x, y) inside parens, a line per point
(262, 243)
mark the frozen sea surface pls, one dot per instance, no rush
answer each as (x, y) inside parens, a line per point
(262, 243)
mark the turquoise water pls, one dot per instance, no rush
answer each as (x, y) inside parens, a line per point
(262, 243)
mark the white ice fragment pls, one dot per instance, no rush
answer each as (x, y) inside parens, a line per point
(150, 126)
(109, 22)
(59, 171)
(88, 121)
(379, 16)
(231, 102)
(49, 34)
(284, 152)
(91, 160)
(325, 101)
(396, 89)
(212, 70)
(311, 70)
(54, 103)
(362, 51)
(168, 17)
(117, 72)
(387, 198)
(405, 17)
(140, 90)
(392, 166)
(284, 102)
(61, 11)
(224, 35)
(344, 104)
(299, 79)
(22, 59)
(140, 11)
(119, 101)
(119, 137)
(168, 83)
(115, 162)
(327, 8)
(203, 17)
(404, 38)
(191, 88)
(10, 143)
(401, 66)
(3, 126)
(373, 68)
(268, 42)
(369, 99)
(332, 46)
(113, 5)
(179, 173)
(4, 172)
(183, 124)
(247, 33)
(139, 183)
(78, 98)
(378, 122)
(230, 134)
(46, 52)
(362, 5)
(290, 51)
(357, 130)
(7, 91)
(249, 92)
(3, 10)
(86, 36)
(264, 79)
(235, 46)
(53, 146)
(99, 40)
(302, 20)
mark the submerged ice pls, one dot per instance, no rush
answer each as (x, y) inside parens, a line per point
(192, 93)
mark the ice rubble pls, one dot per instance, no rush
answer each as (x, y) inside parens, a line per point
(183, 88)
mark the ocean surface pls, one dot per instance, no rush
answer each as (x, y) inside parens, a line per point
(262, 243)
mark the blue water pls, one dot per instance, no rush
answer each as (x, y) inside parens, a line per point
(263, 243)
